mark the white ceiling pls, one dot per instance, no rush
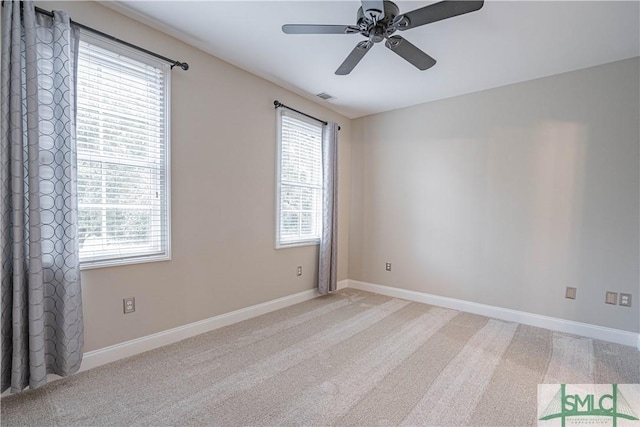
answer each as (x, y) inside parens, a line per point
(504, 42)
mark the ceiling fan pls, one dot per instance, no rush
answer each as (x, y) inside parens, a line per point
(378, 20)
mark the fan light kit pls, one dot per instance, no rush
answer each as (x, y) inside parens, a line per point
(379, 20)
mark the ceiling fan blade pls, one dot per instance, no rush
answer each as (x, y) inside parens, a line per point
(319, 29)
(436, 12)
(408, 51)
(354, 57)
(374, 9)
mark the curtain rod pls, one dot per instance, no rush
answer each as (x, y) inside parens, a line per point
(173, 62)
(278, 104)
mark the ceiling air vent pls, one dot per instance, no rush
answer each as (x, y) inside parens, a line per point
(325, 96)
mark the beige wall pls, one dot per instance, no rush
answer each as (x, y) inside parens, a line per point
(223, 136)
(506, 196)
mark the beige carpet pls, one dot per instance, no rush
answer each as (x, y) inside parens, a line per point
(352, 358)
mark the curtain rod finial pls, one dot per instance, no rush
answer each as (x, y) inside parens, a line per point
(182, 65)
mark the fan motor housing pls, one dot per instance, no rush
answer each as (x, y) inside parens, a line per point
(377, 30)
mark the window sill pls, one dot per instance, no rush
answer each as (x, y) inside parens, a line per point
(90, 265)
(297, 244)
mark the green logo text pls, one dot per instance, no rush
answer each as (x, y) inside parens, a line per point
(612, 405)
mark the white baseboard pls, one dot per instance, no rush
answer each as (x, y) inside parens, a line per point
(102, 356)
(115, 352)
(584, 329)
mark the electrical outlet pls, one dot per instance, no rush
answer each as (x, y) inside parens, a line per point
(625, 300)
(129, 305)
(299, 270)
(611, 298)
(387, 266)
(570, 293)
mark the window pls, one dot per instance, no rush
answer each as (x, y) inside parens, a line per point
(299, 185)
(123, 155)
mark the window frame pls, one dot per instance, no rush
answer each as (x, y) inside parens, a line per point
(165, 254)
(280, 112)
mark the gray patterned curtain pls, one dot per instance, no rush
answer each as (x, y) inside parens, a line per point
(328, 263)
(42, 328)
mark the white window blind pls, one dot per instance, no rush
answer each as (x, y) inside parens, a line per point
(123, 156)
(299, 216)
